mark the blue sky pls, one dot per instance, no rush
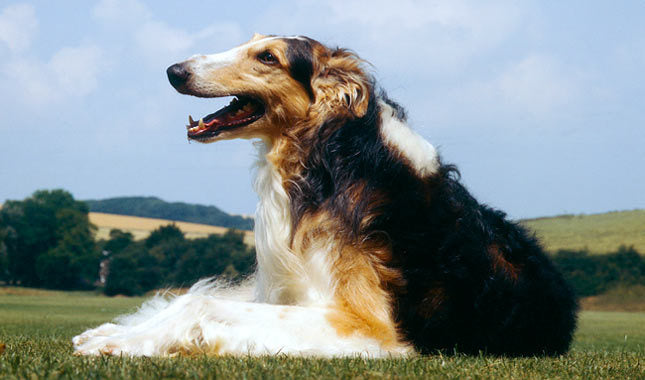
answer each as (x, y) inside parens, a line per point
(540, 104)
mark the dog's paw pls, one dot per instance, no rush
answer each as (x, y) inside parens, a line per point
(98, 346)
(115, 340)
(105, 330)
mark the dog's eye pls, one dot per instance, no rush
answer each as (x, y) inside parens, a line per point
(267, 58)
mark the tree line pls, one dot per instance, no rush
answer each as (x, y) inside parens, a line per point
(167, 259)
(47, 241)
(593, 274)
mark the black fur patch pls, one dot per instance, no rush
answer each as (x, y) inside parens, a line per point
(300, 56)
(455, 296)
(400, 112)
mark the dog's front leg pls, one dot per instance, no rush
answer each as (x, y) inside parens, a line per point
(195, 324)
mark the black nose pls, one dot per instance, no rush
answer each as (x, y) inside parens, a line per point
(178, 75)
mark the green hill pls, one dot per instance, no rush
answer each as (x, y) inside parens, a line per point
(599, 233)
(152, 207)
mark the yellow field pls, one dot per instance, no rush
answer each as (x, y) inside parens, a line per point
(600, 233)
(141, 227)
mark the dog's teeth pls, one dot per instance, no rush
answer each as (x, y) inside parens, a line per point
(201, 123)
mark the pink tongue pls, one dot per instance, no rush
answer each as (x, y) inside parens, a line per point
(229, 117)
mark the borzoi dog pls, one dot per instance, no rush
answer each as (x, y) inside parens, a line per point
(367, 244)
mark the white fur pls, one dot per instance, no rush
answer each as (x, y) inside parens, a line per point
(283, 276)
(409, 144)
(288, 310)
(203, 64)
(293, 298)
(200, 322)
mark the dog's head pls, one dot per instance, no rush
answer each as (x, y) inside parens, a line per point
(277, 83)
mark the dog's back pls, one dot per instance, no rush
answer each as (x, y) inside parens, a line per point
(458, 273)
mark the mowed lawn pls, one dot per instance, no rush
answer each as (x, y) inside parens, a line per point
(36, 328)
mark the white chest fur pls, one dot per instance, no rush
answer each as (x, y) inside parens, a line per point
(284, 276)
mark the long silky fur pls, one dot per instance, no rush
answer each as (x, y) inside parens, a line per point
(445, 245)
(367, 243)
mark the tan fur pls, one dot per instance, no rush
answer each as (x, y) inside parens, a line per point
(361, 278)
(341, 89)
(340, 84)
(361, 281)
(434, 299)
(362, 300)
(501, 264)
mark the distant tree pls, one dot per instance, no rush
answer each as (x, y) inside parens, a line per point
(123, 277)
(73, 262)
(242, 257)
(215, 255)
(627, 266)
(49, 229)
(138, 267)
(206, 257)
(594, 274)
(119, 240)
(164, 234)
(4, 259)
(166, 258)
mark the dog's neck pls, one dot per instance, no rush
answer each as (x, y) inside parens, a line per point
(282, 275)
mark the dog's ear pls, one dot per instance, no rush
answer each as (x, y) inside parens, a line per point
(342, 82)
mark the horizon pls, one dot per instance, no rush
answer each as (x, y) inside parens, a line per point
(538, 104)
(252, 216)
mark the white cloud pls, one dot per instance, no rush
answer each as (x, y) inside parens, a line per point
(18, 25)
(71, 72)
(415, 14)
(537, 84)
(432, 35)
(536, 87)
(76, 69)
(28, 80)
(155, 40)
(155, 37)
(158, 41)
(121, 13)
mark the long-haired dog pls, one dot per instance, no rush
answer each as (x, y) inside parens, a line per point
(367, 244)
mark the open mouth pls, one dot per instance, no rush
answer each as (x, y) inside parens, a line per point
(242, 111)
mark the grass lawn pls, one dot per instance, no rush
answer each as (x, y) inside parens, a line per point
(36, 328)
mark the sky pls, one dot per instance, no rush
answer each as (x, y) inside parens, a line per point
(540, 104)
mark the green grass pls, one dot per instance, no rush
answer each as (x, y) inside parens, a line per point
(600, 233)
(36, 328)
